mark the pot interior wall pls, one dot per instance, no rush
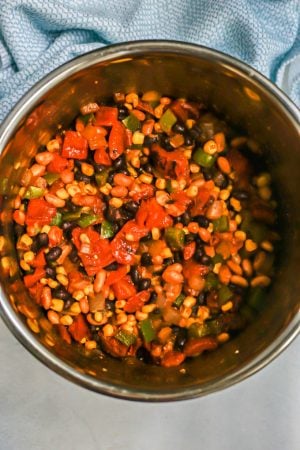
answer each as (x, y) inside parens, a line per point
(242, 102)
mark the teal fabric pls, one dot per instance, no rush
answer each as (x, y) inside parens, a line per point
(36, 36)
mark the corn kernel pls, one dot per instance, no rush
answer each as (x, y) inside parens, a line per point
(146, 178)
(116, 202)
(62, 279)
(66, 320)
(155, 233)
(57, 304)
(138, 138)
(87, 169)
(161, 183)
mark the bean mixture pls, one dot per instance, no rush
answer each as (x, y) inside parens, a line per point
(146, 230)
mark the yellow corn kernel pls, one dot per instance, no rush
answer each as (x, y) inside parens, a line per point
(161, 183)
(108, 330)
(57, 305)
(62, 279)
(66, 320)
(227, 306)
(146, 178)
(116, 202)
(155, 233)
(138, 138)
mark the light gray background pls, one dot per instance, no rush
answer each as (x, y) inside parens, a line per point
(41, 411)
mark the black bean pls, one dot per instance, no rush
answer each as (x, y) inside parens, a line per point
(112, 266)
(201, 298)
(220, 180)
(195, 311)
(165, 142)
(178, 128)
(73, 256)
(99, 168)
(120, 163)
(201, 220)
(199, 253)
(126, 214)
(177, 256)
(185, 218)
(124, 171)
(131, 206)
(189, 238)
(96, 337)
(144, 284)
(240, 194)
(168, 261)
(19, 230)
(188, 140)
(153, 297)
(205, 260)
(236, 289)
(51, 272)
(110, 214)
(68, 302)
(135, 276)
(207, 174)
(42, 240)
(143, 355)
(146, 259)
(149, 140)
(122, 112)
(79, 176)
(53, 254)
(109, 305)
(71, 207)
(110, 177)
(148, 168)
(61, 292)
(181, 339)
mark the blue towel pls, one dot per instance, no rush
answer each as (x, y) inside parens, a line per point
(36, 36)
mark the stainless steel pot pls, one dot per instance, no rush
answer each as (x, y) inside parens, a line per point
(247, 100)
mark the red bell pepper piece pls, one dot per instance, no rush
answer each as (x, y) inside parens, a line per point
(151, 214)
(124, 288)
(58, 164)
(106, 116)
(36, 292)
(39, 212)
(116, 275)
(30, 280)
(179, 111)
(134, 303)
(200, 201)
(101, 157)
(94, 255)
(75, 146)
(124, 250)
(79, 328)
(65, 335)
(116, 142)
(39, 260)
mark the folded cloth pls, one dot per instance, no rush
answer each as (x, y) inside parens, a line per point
(36, 36)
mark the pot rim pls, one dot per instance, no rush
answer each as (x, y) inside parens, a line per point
(8, 128)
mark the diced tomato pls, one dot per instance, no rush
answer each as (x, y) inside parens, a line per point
(39, 260)
(145, 191)
(134, 303)
(39, 212)
(30, 280)
(79, 328)
(75, 146)
(167, 160)
(55, 236)
(58, 164)
(179, 111)
(181, 202)
(151, 214)
(36, 292)
(128, 139)
(200, 201)
(65, 335)
(124, 288)
(91, 201)
(116, 142)
(102, 157)
(95, 136)
(189, 250)
(106, 116)
(94, 255)
(124, 250)
(77, 281)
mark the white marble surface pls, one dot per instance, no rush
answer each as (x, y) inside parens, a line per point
(39, 410)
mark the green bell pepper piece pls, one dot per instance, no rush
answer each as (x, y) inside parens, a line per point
(51, 177)
(197, 330)
(175, 238)
(71, 216)
(169, 186)
(107, 229)
(57, 220)
(3, 186)
(101, 178)
(256, 231)
(179, 300)
(256, 298)
(211, 281)
(222, 224)
(86, 220)
(132, 123)
(247, 313)
(167, 120)
(34, 192)
(203, 159)
(224, 294)
(147, 330)
(125, 338)
(217, 259)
